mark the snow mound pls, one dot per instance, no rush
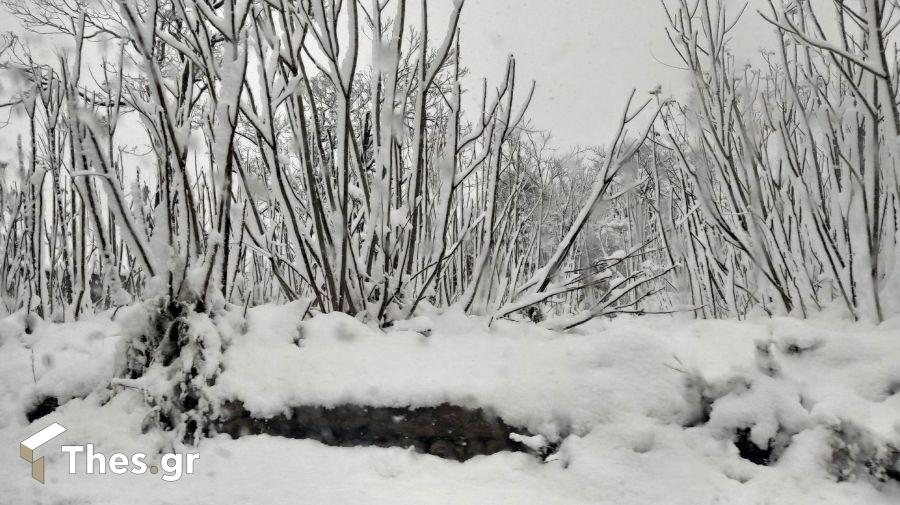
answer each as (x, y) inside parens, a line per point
(643, 410)
(547, 382)
(61, 361)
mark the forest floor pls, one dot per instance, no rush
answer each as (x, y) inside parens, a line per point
(637, 410)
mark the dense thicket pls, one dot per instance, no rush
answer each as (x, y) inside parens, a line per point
(214, 154)
(786, 192)
(240, 152)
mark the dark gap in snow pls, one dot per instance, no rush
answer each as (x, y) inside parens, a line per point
(797, 347)
(44, 407)
(749, 450)
(447, 431)
(892, 389)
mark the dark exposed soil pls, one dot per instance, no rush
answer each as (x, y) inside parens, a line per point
(749, 450)
(44, 407)
(448, 431)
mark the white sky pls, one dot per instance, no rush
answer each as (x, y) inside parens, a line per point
(586, 56)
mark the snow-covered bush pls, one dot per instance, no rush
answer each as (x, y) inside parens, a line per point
(269, 173)
(857, 454)
(172, 355)
(783, 180)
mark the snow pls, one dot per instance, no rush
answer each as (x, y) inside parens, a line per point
(531, 377)
(60, 360)
(625, 399)
(535, 443)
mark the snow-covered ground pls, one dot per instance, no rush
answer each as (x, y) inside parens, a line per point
(646, 410)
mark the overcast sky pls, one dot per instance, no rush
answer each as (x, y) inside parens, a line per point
(586, 55)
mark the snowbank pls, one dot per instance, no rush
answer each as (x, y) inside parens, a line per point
(533, 378)
(648, 410)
